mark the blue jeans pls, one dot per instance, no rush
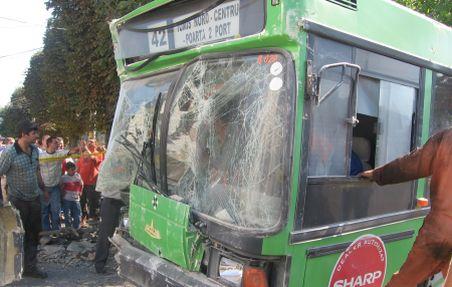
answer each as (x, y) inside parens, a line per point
(72, 213)
(50, 210)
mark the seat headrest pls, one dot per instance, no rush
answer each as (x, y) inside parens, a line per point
(361, 146)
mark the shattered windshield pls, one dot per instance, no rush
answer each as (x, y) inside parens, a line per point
(130, 141)
(228, 138)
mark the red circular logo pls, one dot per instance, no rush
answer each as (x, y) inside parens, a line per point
(362, 264)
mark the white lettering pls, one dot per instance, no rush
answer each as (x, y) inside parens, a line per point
(359, 281)
(368, 278)
(377, 274)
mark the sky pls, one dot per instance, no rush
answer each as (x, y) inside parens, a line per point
(23, 30)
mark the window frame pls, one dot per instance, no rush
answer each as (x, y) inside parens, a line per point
(434, 91)
(301, 234)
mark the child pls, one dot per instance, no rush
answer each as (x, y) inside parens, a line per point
(72, 186)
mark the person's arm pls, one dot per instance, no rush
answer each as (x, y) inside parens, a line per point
(41, 185)
(79, 177)
(5, 162)
(417, 164)
(68, 152)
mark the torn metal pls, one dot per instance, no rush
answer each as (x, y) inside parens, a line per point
(145, 269)
(11, 245)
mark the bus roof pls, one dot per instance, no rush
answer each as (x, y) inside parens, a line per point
(386, 23)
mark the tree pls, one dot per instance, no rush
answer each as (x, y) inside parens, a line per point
(13, 113)
(72, 84)
(440, 10)
(33, 92)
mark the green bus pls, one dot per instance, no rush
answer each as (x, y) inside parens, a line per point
(241, 127)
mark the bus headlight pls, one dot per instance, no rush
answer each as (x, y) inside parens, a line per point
(125, 222)
(231, 271)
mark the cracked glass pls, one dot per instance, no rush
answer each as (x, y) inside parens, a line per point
(130, 145)
(228, 143)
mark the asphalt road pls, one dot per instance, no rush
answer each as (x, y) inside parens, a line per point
(74, 277)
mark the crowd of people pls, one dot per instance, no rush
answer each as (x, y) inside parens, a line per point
(49, 184)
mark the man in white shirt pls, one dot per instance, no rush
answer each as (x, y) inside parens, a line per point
(50, 164)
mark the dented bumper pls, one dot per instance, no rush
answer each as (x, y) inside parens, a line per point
(146, 269)
(11, 245)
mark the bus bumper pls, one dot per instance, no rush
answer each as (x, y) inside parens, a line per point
(146, 269)
(11, 245)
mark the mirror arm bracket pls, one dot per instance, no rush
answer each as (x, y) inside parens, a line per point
(314, 80)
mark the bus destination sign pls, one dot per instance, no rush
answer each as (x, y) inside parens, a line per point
(220, 23)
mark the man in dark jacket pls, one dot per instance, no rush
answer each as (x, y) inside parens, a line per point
(432, 250)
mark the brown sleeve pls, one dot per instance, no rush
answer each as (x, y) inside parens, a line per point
(417, 164)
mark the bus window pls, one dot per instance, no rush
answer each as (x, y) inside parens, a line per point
(131, 134)
(328, 131)
(384, 131)
(441, 110)
(385, 104)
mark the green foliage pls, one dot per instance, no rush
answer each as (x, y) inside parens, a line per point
(13, 113)
(440, 10)
(72, 85)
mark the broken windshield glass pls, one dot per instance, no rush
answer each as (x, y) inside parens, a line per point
(228, 138)
(128, 154)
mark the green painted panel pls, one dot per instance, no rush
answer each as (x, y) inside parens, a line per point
(428, 80)
(428, 90)
(316, 271)
(161, 225)
(388, 23)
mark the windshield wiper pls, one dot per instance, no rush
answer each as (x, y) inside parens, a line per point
(152, 58)
(152, 139)
(142, 164)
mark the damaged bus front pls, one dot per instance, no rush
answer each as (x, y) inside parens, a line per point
(11, 244)
(234, 135)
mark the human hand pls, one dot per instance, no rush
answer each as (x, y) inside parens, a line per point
(368, 174)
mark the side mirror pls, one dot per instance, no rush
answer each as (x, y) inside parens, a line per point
(315, 80)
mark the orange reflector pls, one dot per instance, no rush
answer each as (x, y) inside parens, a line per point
(422, 202)
(254, 277)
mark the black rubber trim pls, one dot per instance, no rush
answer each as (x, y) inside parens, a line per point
(355, 41)
(337, 248)
(301, 236)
